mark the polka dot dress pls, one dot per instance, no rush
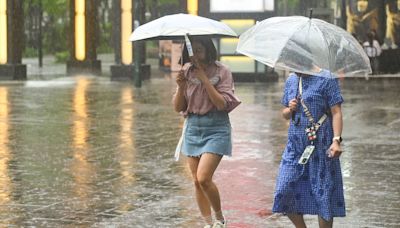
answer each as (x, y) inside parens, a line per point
(314, 188)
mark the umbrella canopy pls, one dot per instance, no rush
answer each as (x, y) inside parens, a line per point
(177, 25)
(304, 45)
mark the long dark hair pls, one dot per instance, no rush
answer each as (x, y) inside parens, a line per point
(211, 51)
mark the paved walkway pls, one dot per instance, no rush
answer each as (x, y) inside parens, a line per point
(84, 151)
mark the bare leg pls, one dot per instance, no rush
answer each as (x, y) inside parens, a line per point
(297, 220)
(205, 171)
(201, 198)
(325, 224)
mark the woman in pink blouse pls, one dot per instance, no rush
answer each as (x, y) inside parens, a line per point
(205, 96)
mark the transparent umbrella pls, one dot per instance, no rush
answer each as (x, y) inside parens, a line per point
(304, 45)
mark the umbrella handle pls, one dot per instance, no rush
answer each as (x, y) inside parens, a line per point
(181, 60)
(189, 45)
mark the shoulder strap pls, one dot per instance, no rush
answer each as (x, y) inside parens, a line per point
(306, 110)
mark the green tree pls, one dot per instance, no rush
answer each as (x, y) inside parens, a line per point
(54, 25)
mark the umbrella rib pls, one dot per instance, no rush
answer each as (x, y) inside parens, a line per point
(298, 29)
(329, 50)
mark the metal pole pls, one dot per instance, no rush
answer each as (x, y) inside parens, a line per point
(136, 52)
(40, 46)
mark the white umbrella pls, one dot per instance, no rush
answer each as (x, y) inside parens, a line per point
(304, 45)
(176, 26)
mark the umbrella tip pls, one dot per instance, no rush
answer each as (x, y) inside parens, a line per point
(311, 9)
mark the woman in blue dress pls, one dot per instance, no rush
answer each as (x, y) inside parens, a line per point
(315, 187)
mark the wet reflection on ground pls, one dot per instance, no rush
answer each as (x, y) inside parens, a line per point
(84, 151)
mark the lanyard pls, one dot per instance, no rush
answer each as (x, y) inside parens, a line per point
(306, 111)
(312, 130)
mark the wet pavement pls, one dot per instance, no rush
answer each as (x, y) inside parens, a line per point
(86, 152)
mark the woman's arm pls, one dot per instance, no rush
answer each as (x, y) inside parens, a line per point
(216, 98)
(179, 97)
(287, 111)
(337, 120)
(337, 123)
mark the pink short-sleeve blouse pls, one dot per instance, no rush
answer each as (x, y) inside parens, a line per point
(196, 96)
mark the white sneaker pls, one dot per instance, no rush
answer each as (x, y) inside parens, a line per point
(219, 224)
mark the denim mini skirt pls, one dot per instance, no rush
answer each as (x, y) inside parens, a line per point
(207, 133)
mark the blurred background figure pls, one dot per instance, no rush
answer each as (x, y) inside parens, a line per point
(373, 50)
(392, 23)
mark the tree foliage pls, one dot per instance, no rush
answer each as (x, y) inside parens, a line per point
(56, 23)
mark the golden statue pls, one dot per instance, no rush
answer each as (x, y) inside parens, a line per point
(392, 24)
(360, 23)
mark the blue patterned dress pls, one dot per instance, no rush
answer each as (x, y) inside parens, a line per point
(314, 188)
